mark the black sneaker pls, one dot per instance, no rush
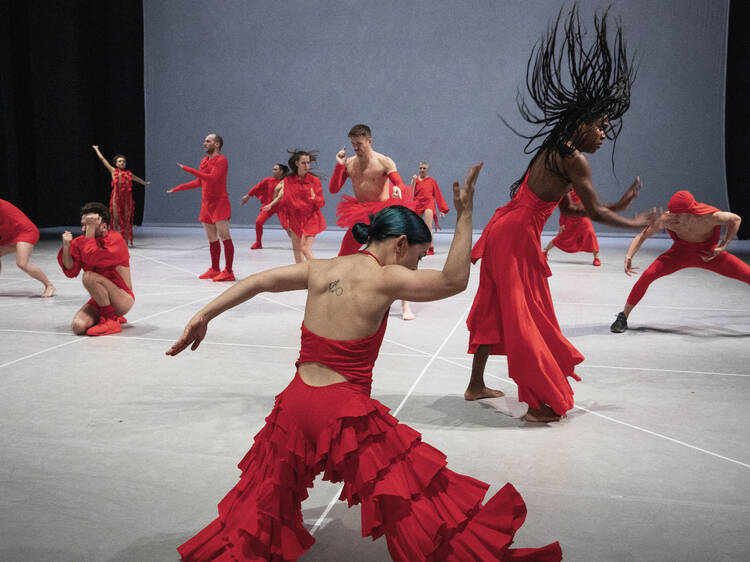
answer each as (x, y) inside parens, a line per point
(620, 324)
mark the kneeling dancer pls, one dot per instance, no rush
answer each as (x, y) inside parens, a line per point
(695, 228)
(325, 420)
(103, 256)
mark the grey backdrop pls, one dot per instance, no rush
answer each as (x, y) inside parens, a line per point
(430, 78)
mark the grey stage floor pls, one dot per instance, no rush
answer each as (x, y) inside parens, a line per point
(111, 451)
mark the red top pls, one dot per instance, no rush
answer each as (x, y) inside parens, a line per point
(301, 208)
(12, 220)
(352, 359)
(427, 194)
(101, 255)
(211, 177)
(263, 190)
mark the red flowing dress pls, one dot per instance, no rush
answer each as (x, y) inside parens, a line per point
(16, 226)
(512, 310)
(121, 200)
(406, 492)
(578, 234)
(427, 195)
(299, 209)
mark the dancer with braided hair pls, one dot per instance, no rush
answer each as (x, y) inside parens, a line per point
(121, 200)
(582, 93)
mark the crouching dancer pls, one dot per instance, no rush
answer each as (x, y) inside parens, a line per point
(325, 421)
(103, 256)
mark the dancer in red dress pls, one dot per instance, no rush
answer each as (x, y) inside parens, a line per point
(428, 199)
(121, 204)
(576, 234)
(103, 256)
(265, 191)
(215, 208)
(19, 235)
(301, 200)
(512, 313)
(325, 420)
(695, 228)
(370, 172)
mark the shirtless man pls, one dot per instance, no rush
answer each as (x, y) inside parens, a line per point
(695, 228)
(18, 234)
(215, 208)
(370, 172)
(103, 256)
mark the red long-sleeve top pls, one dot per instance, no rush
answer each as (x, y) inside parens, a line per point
(427, 195)
(263, 190)
(102, 255)
(211, 177)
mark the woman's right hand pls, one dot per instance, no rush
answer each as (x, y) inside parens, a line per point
(463, 196)
(193, 335)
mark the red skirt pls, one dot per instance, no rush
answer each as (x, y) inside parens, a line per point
(425, 510)
(214, 210)
(304, 223)
(577, 236)
(351, 210)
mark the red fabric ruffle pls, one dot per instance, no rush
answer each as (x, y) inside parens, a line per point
(577, 236)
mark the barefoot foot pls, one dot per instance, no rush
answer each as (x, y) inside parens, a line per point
(484, 392)
(406, 313)
(49, 290)
(542, 415)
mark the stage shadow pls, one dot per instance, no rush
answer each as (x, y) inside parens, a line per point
(158, 547)
(691, 331)
(32, 554)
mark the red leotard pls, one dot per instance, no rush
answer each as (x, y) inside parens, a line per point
(212, 179)
(425, 510)
(578, 234)
(427, 195)
(102, 255)
(300, 209)
(122, 198)
(15, 226)
(513, 310)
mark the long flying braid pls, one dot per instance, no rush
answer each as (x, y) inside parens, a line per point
(571, 84)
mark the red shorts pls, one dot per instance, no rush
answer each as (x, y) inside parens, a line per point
(214, 210)
(26, 233)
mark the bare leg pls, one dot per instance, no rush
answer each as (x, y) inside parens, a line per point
(23, 254)
(627, 309)
(296, 247)
(406, 312)
(106, 293)
(87, 316)
(428, 218)
(477, 388)
(211, 232)
(306, 247)
(549, 246)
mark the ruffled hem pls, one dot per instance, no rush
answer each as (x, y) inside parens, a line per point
(351, 210)
(426, 511)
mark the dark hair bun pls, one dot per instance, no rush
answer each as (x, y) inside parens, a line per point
(361, 232)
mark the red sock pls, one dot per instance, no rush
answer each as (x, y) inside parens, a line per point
(258, 232)
(215, 249)
(107, 312)
(228, 253)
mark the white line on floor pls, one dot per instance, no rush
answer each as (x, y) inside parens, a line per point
(42, 351)
(394, 413)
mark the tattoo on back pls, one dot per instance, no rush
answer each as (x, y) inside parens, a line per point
(334, 288)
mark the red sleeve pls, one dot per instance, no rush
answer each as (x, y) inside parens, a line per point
(319, 200)
(338, 178)
(76, 257)
(189, 185)
(111, 252)
(257, 189)
(218, 169)
(396, 179)
(442, 205)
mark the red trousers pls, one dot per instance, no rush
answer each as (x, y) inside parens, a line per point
(680, 256)
(263, 216)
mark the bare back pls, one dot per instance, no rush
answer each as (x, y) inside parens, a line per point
(370, 176)
(545, 184)
(691, 228)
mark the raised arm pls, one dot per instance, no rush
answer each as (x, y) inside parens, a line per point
(107, 165)
(278, 280)
(430, 285)
(339, 176)
(579, 172)
(731, 222)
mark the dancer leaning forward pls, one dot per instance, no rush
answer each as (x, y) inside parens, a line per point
(325, 420)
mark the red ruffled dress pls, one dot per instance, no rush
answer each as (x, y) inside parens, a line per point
(121, 200)
(512, 310)
(406, 493)
(578, 234)
(299, 211)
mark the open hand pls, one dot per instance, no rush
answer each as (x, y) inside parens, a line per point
(708, 256)
(192, 336)
(647, 217)
(244, 199)
(629, 268)
(463, 196)
(632, 191)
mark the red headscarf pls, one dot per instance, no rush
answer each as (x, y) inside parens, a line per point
(684, 202)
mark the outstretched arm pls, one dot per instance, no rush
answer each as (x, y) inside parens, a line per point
(430, 285)
(107, 165)
(278, 194)
(278, 280)
(219, 168)
(139, 180)
(637, 242)
(579, 172)
(731, 222)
